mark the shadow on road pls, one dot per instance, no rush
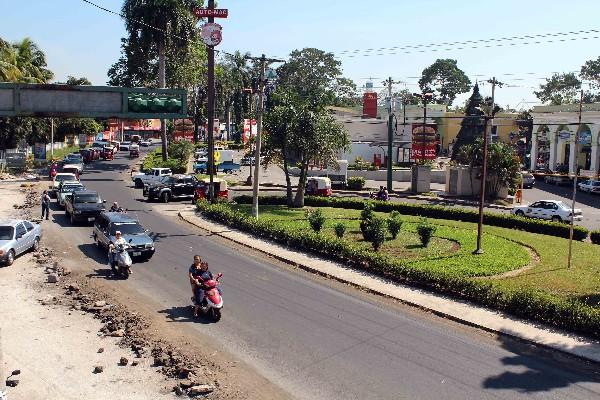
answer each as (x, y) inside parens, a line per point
(545, 370)
(587, 199)
(184, 314)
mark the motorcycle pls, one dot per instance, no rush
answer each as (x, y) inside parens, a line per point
(378, 196)
(122, 260)
(212, 303)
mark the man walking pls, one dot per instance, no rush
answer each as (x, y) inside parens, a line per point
(45, 204)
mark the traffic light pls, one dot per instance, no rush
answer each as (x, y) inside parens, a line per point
(148, 103)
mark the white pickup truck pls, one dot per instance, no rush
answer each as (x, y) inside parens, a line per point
(148, 177)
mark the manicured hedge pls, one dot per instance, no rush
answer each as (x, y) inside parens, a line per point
(595, 236)
(527, 303)
(440, 212)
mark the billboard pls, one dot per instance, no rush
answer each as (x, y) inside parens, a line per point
(39, 151)
(370, 105)
(424, 142)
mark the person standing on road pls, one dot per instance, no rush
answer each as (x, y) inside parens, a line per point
(45, 204)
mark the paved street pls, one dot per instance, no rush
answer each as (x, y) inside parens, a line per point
(318, 339)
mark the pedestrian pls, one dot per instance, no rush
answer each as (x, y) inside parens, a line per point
(45, 204)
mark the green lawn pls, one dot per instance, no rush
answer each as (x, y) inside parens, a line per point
(454, 241)
(59, 154)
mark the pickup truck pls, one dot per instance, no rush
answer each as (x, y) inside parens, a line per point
(83, 205)
(227, 167)
(149, 177)
(58, 179)
(171, 187)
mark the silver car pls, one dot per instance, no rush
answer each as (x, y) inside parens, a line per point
(16, 237)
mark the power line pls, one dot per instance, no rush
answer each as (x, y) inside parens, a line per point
(490, 42)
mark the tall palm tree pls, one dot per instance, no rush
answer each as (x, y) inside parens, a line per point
(23, 62)
(160, 24)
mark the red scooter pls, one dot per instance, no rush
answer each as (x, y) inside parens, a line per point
(213, 302)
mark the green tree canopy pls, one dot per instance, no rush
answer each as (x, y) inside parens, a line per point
(445, 80)
(472, 125)
(560, 89)
(23, 62)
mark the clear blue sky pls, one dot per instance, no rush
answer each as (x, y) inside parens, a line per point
(83, 41)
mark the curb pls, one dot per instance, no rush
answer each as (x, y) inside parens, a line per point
(403, 301)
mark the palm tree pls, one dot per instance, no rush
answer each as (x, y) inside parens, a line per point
(160, 24)
(23, 62)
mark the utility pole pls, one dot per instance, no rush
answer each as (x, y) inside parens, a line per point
(259, 114)
(211, 111)
(575, 181)
(52, 138)
(494, 82)
(390, 136)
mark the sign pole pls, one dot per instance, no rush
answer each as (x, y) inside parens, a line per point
(52, 138)
(211, 110)
(390, 137)
(574, 184)
(261, 91)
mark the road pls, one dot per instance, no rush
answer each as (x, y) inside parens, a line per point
(319, 339)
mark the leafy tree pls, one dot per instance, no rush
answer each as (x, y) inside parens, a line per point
(158, 25)
(234, 76)
(23, 62)
(71, 80)
(560, 89)
(590, 72)
(136, 67)
(445, 80)
(471, 127)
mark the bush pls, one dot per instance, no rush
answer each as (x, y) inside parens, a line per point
(377, 226)
(595, 236)
(438, 212)
(526, 303)
(425, 231)
(340, 229)
(356, 183)
(366, 216)
(394, 223)
(316, 219)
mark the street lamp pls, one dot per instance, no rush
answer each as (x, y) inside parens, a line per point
(251, 92)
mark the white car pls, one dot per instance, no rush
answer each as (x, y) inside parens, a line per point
(592, 186)
(145, 143)
(124, 146)
(552, 210)
(60, 177)
(149, 177)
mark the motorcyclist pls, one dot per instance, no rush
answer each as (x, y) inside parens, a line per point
(385, 196)
(199, 274)
(112, 253)
(115, 207)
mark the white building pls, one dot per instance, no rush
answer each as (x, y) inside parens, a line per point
(555, 133)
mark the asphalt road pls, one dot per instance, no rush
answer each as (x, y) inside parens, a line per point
(322, 340)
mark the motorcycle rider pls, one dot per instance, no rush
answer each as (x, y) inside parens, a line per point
(115, 207)
(112, 253)
(199, 274)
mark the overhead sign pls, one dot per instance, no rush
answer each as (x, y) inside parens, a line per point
(211, 12)
(211, 34)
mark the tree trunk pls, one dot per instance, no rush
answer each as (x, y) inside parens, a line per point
(288, 181)
(162, 82)
(228, 121)
(299, 200)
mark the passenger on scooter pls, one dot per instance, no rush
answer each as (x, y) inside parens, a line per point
(193, 272)
(112, 250)
(385, 196)
(115, 207)
(200, 275)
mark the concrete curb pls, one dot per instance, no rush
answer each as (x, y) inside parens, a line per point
(572, 345)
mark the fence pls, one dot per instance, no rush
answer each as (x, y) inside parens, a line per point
(29, 150)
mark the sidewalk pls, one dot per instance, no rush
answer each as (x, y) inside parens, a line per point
(450, 308)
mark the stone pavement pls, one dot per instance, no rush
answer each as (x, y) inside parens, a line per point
(460, 311)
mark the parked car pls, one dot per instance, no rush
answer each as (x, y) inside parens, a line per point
(552, 210)
(84, 205)
(16, 237)
(171, 187)
(145, 143)
(250, 160)
(590, 185)
(58, 178)
(528, 180)
(318, 186)
(151, 176)
(124, 146)
(558, 180)
(66, 188)
(108, 223)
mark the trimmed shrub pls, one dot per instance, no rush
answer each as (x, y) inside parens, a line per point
(571, 315)
(356, 182)
(394, 223)
(425, 231)
(438, 212)
(595, 236)
(377, 226)
(316, 219)
(340, 229)
(366, 216)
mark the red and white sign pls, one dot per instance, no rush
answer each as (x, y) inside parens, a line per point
(370, 105)
(211, 34)
(424, 142)
(211, 12)
(249, 129)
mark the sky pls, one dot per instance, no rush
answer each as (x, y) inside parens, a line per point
(81, 40)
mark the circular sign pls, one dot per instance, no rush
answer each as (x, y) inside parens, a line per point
(211, 34)
(217, 156)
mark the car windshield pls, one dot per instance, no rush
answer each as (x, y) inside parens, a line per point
(71, 188)
(127, 228)
(87, 198)
(595, 183)
(562, 205)
(126, 143)
(60, 178)
(166, 179)
(6, 232)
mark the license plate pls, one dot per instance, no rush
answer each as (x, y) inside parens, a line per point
(137, 253)
(91, 219)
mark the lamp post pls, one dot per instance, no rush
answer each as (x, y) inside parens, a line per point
(424, 97)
